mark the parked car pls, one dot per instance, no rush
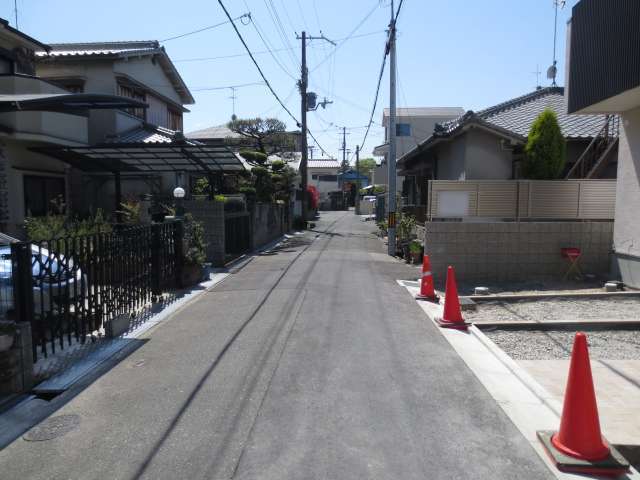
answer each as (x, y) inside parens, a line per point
(60, 280)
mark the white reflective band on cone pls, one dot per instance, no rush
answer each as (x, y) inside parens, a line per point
(426, 274)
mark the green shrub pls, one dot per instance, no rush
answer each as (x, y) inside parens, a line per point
(254, 157)
(50, 227)
(545, 151)
(263, 184)
(415, 246)
(195, 246)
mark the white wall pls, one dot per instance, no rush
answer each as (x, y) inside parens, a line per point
(626, 236)
(151, 74)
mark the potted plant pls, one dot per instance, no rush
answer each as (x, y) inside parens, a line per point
(7, 335)
(415, 250)
(194, 252)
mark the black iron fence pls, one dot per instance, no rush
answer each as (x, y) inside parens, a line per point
(68, 287)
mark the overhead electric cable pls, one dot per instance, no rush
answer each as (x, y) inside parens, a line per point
(273, 92)
(205, 28)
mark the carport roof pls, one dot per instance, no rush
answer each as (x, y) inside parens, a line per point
(140, 157)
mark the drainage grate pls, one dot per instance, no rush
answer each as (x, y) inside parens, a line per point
(53, 427)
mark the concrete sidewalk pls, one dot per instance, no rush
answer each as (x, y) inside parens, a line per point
(308, 363)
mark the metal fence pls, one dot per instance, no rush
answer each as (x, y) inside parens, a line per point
(523, 199)
(68, 287)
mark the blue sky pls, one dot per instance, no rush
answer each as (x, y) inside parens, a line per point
(466, 53)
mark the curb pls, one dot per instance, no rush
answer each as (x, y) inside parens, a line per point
(542, 296)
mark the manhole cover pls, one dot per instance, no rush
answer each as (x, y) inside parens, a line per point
(52, 428)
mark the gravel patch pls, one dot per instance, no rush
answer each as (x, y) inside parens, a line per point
(557, 344)
(557, 309)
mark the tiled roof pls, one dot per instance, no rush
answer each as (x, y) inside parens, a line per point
(145, 134)
(100, 48)
(107, 50)
(323, 163)
(220, 131)
(517, 115)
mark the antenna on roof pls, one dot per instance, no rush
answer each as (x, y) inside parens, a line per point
(15, 9)
(552, 71)
(537, 74)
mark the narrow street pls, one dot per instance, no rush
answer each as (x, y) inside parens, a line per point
(309, 363)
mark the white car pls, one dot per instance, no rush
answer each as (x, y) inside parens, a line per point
(47, 291)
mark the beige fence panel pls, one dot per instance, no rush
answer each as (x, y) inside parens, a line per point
(523, 199)
(553, 199)
(597, 199)
(497, 199)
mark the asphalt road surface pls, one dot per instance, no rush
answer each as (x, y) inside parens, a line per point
(309, 363)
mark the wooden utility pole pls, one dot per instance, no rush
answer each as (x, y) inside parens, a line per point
(357, 180)
(304, 108)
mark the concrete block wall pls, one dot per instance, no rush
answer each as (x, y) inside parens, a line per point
(211, 214)
(268, 223)
(515, 251)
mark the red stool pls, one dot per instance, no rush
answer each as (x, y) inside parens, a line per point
(572, 254)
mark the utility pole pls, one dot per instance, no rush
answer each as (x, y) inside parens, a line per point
(304, 107)
(357, 180)
(233, 102)
(303, 128)
(391, 228)
(311, 149)
(344, 164)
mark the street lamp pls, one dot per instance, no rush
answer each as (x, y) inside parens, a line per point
(178, 194)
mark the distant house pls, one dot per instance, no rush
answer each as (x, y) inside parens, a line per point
(413, 125)
(322, 173)
(236, 141)
(36, 114)
(133, 151)
(603, 75)
(488, 144)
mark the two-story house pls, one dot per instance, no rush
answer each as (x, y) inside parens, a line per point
(413, 125)
(35, 113)
(603, 77)
(139, 70)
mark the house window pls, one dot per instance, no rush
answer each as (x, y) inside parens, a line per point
(328, 178)
(403, 130)
(136, 94)
(174, 119)
(43, 195)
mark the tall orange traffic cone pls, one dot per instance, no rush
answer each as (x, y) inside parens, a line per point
(579, 445)
(452, 316)
(427, 291)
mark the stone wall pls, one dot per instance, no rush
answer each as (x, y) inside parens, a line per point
(211, 214)
(269, 223)
(515, 251)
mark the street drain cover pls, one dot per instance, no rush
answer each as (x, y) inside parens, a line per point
(52, 428)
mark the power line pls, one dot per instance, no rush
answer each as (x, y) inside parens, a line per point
(375, 99)
(344, 40)
(270, 50)
(244, 15)
(262, 52)
(205, 89)
(273, 92)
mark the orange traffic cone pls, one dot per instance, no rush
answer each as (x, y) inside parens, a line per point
(579, 446)
(452, 316)
(427, 291)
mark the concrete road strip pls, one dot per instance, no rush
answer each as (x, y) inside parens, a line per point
(529, 406)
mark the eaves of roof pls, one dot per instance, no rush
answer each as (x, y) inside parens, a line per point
(103, 51)
(35, 44)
